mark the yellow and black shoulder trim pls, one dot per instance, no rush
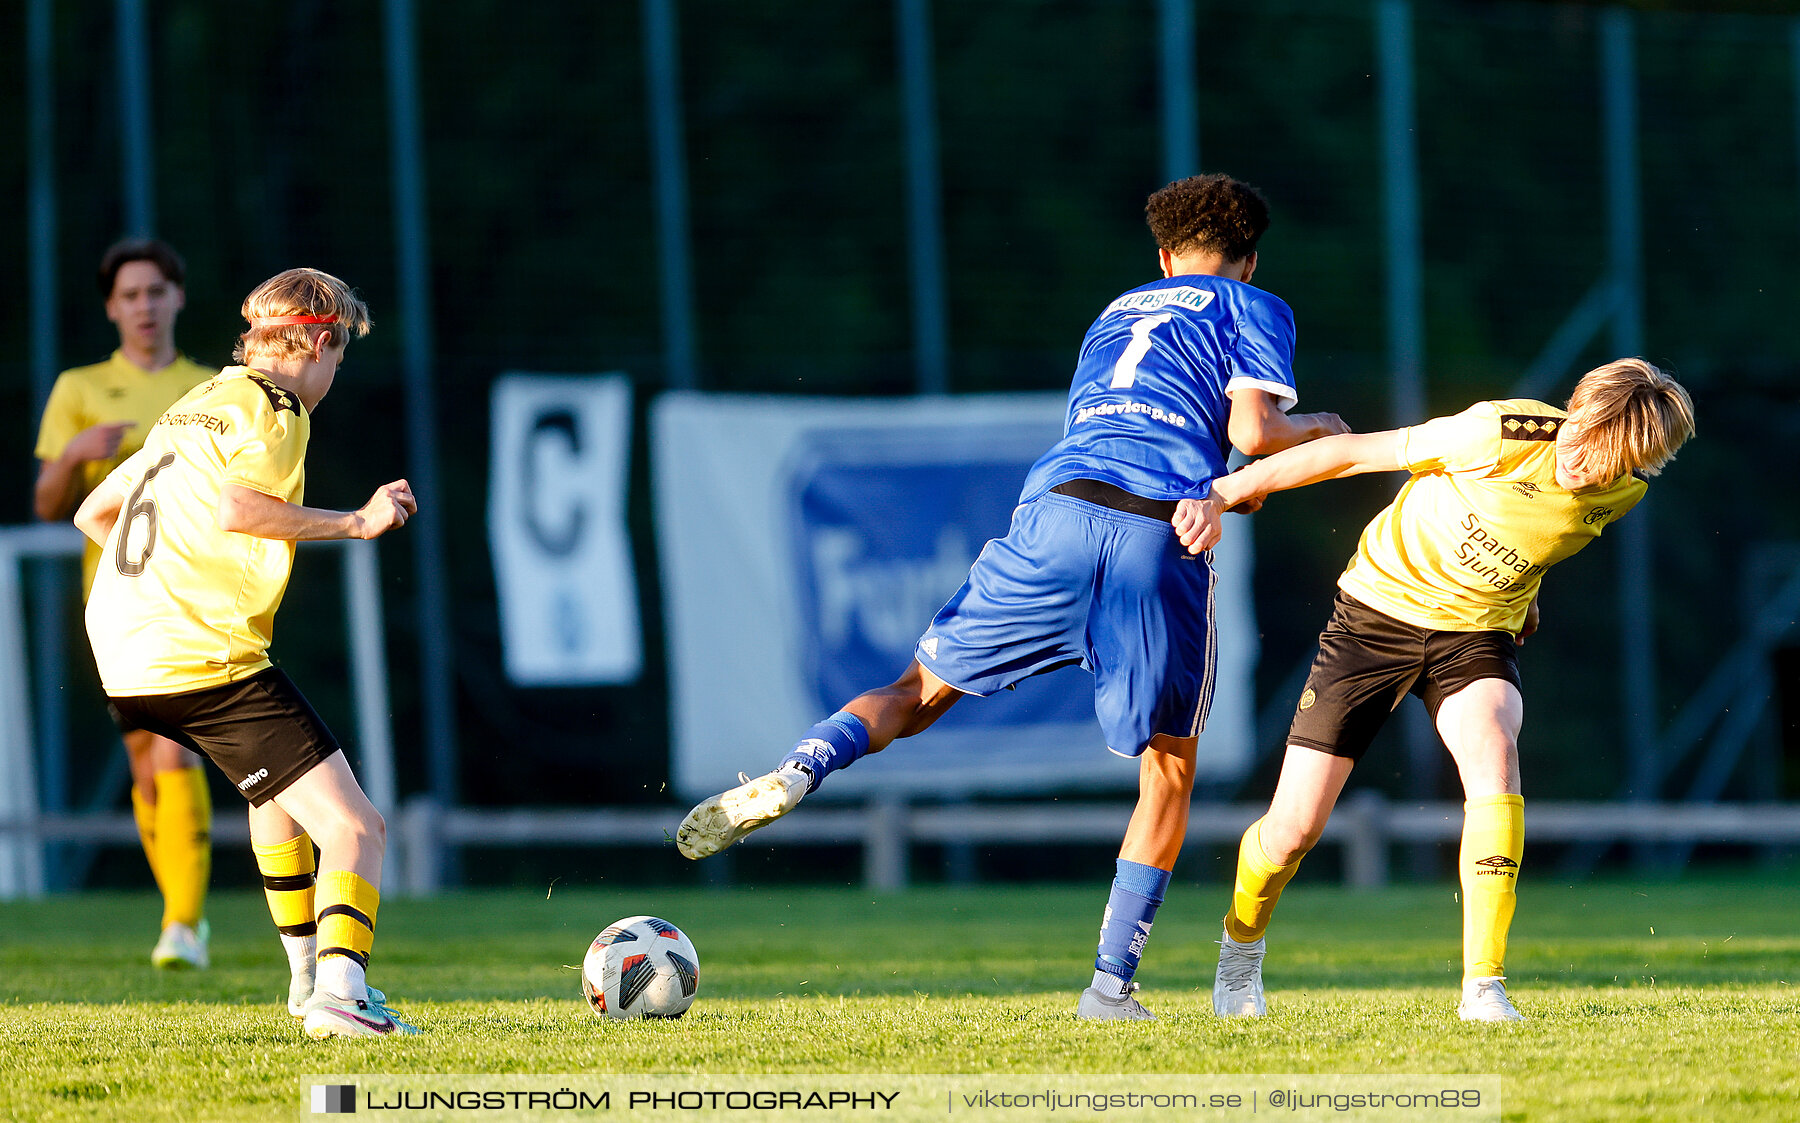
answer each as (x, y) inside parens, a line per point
(1527, 427)
(278, 398)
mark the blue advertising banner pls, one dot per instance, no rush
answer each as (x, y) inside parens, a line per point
(886, 525)
(805, 546)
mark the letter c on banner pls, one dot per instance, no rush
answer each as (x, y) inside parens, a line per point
(556, 541)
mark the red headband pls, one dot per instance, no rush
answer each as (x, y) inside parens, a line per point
(283, 321)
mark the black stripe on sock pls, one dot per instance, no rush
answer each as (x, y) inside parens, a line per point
(287, 883)
(345, 910)
(307, 929)
(362, 960)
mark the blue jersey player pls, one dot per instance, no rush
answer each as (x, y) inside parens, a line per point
(1091, 572)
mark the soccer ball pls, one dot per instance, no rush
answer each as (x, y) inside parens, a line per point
(641, 967)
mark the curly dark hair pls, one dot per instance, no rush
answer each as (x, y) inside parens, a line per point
(160, 254)
(1209, 213)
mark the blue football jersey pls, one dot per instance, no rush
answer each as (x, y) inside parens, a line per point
(1148, 405)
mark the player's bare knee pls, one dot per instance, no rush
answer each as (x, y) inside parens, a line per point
(372, 830)
(1287, 839)
(352, 829)
(1487, 760)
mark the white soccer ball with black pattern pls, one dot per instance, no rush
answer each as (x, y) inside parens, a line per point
(641, 967)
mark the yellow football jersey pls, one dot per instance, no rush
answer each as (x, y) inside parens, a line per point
(1465, 544)
(115, 390)
(179, 604)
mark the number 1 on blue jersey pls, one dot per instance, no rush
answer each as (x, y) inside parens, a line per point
(1125, 370)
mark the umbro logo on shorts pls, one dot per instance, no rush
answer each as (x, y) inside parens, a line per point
(253, 779)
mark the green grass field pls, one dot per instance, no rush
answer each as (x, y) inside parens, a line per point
(1662, 1000)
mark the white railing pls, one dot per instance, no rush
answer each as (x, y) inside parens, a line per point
(1366, 826)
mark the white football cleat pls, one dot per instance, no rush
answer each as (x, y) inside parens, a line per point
(729, 816)
(330, 1016)
(300, 991)
(1238, 985)
(1484, 1000)
(1099, 1006)
(180, 947)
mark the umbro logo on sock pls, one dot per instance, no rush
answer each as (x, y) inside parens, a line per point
(1498, 864)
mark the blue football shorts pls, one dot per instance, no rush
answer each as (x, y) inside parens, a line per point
(1076, 583)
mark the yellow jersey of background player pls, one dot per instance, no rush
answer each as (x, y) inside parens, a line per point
(98, 415)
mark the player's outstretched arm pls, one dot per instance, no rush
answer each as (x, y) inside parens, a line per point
(1257, 427)
(1328, 458)
(245, 510)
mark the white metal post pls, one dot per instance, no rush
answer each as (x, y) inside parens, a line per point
(21, 847)
(368, 677)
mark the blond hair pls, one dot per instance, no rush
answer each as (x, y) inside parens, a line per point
(1629, 417)
(299, 292)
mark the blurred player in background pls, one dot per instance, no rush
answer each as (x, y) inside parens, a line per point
(198, 529)
(96, 417)
(1442, 590)
(1169, 377)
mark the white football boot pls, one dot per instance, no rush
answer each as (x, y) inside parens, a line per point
(1238, 985)
(180, 947)
(329, 1016)
(722, 820)
(1484, 1000)
(1099, 1006)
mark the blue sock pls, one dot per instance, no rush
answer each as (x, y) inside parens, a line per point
(1137, 890)
(837, 742)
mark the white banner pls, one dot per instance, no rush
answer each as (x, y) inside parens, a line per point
(556, 529)
(806, 544)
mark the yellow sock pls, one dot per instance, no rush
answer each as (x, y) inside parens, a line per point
(1493, 841)
(145, 813)
(287, 874)
(183, 843)
(1260, 881)
(346, 909)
